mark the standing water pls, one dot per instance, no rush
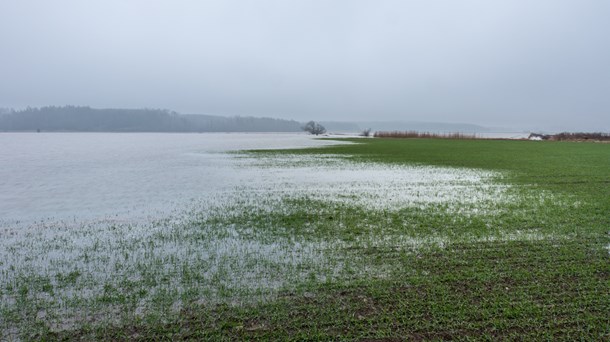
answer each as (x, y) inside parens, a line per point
(128, 176)
(172, 220)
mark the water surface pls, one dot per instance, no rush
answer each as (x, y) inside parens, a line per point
(78, 176)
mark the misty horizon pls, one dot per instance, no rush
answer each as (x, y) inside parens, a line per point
(513, 64)
(226, 123)
(87, 119)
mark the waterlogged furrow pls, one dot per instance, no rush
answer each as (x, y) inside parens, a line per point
(138, 272)
(296, 220)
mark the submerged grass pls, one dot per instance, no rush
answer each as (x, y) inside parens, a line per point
(499, 239)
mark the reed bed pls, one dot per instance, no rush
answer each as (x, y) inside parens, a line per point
(424, 135)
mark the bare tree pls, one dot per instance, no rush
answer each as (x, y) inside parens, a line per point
(314, 128)
(366, 132)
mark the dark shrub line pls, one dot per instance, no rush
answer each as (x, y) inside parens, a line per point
(581, 136)
(564, 136)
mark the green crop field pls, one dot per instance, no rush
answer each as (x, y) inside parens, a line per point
(389, 239)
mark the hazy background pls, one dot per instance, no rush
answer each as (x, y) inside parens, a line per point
(540, 64)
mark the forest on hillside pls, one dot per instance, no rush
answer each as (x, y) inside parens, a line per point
(87, 119)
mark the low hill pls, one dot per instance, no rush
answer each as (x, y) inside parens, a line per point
(419, 126)
(87, 119)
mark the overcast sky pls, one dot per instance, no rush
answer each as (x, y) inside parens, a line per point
(527, 63)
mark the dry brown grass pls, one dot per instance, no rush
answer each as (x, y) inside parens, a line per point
(425, 135)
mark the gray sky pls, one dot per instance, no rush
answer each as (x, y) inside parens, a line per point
(524, 63)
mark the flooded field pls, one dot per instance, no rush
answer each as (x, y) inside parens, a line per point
(217, 226)
(125, 176)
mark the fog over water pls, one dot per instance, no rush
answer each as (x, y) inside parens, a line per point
(510, 63)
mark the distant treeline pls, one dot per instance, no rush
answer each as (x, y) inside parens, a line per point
(565, 136)
(415, 134)
(578, 136)
(87, 119)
